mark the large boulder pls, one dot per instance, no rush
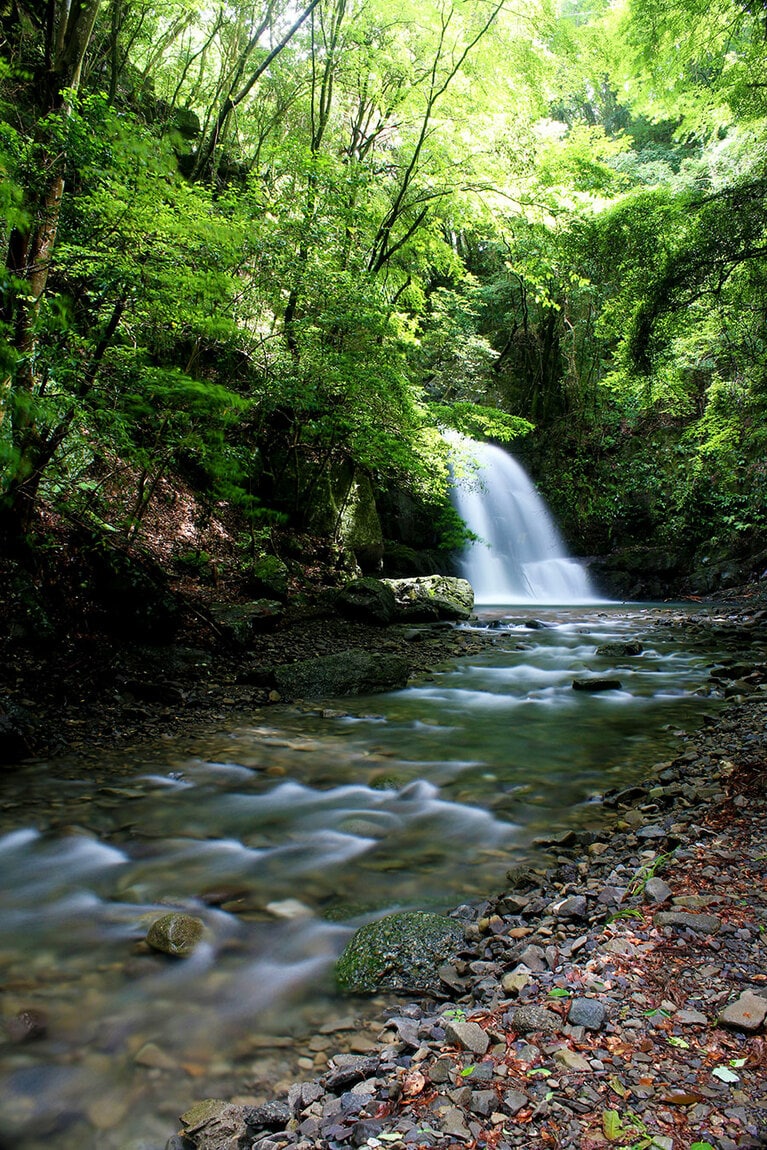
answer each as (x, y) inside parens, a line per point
(429, 597)
(239, 623)
(369, 600)
(352, 672)
(402, 952)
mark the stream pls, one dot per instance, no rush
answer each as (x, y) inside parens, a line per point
(283, 835)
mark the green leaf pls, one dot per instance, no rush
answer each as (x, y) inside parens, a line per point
(559, 992)
(724, 1074)
(612, 1125)
(680, 1042)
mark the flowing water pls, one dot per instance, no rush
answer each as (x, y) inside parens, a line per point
(518, 555)
(285, 834)
(282, 835)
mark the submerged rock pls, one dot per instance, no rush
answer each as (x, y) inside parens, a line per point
(401, 952)
(175, 934)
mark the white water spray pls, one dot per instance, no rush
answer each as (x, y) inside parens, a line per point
(519, 555)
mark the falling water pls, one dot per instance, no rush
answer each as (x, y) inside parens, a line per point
(519, 555)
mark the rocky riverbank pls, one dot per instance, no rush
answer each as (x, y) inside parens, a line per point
(614, 994)
(79, 695)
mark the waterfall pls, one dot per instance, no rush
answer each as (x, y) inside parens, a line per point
(519, 555)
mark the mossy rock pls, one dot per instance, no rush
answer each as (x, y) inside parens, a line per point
(432, 596)
(368, 599)
(268, 576)
(175, 934)
(352, 672)
(402, 952)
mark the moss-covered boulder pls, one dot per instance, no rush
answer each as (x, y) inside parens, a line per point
(369, 600)
(428, 597)
(268, 576)
(402, 952)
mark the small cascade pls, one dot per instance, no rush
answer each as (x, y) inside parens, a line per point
(519, 555)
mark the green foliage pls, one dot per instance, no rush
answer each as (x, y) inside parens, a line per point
(440, 216)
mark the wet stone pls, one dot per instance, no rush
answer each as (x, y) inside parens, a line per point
(176, 935)
(27, 1026)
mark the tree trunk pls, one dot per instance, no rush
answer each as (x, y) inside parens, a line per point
(49, 90)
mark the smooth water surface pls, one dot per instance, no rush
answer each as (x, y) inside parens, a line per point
(282, 835)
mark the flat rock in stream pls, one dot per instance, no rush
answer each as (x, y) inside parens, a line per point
(595, 685)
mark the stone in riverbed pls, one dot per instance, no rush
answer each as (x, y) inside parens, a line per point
(175, 934)
(27, 1026)
(595, 685)
(401, 952)
(621, 650)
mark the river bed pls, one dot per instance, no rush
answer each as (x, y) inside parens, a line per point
(283, 834)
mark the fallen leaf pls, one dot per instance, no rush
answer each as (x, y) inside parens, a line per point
(413, 1084)
(612, 1125)
(675, 1097)
(724, 1074)
(618, 1088)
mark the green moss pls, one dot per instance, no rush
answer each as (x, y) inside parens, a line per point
(401, 952)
